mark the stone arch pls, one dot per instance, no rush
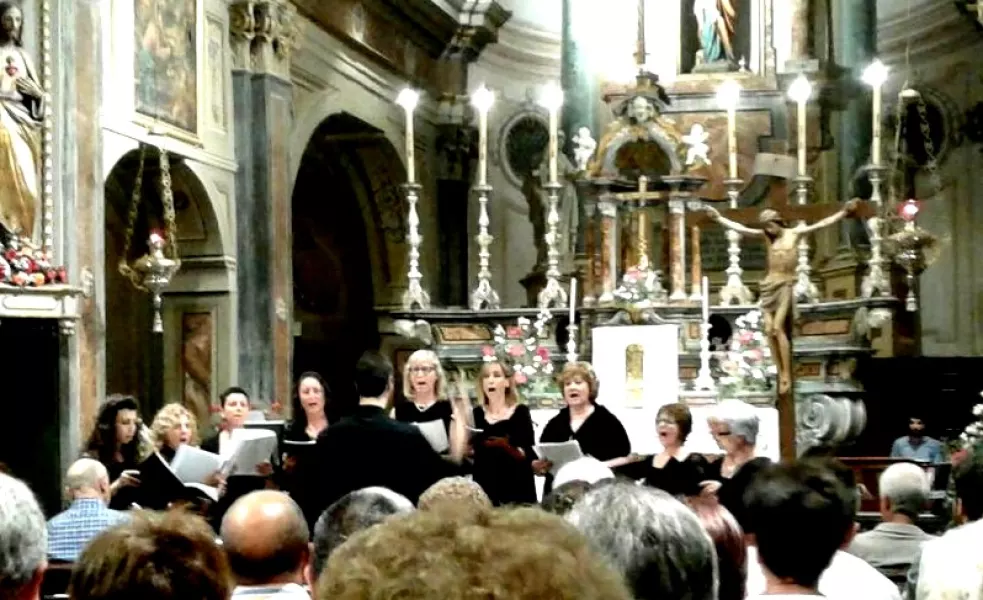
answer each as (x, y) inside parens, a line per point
(134, 355)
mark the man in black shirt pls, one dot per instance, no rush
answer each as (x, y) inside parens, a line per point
(371, 449)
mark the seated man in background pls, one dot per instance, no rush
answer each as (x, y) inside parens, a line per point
(265, 536)
(501, 554)
(87, 483)
(894, 544)
(23, 540)
(154, 556)
(354, 512)
(916, 445)
(656, 542)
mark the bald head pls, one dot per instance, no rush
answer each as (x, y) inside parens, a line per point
(87, 478)
(265, 536)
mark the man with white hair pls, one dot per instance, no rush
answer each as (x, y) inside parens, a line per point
(22, 541)
(894, 544)
(88, 488)
(656, 542)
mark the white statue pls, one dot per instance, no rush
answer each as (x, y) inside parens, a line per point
(697, 147)
(585, 148)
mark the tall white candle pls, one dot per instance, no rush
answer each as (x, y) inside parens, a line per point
(732, 141)
(875, 115)
(482, 100)
(706, 299)
(573, 299)
(554, 144)
(408, 99)
(802, 136)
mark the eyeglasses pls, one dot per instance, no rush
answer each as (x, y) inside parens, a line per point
(721, 434)
(422, 370)
(665, 421)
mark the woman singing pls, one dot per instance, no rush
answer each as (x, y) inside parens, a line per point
(734, 425)
(116, 444)
(599, 433)
(503, 439)
(172, 426)
(309, 408)
(424, 386)
(235, 407)
(673, 470)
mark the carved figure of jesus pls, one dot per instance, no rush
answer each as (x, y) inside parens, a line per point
(778, 286)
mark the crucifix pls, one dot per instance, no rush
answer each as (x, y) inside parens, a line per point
(641, 196)
(777, 290)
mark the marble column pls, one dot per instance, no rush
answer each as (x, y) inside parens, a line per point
(263, 35)
(607, 207)
(677, 249)
(855, 42)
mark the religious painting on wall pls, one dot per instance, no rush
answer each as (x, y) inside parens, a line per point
(197, 344)
(166, 62)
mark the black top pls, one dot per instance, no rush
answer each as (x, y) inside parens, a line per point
(441, 410)
(210, 444)
(127, 496)
(601, 435)
(506, 477)
(370, 449)
(676, 477)
(731, 493)
(297, 432)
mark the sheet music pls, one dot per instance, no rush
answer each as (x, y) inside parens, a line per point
(194, 465)
(436, 434)
(210, 491)
(253, 447)
(559, 453)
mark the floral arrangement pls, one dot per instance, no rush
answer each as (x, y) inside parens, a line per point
(746, 365)
(972, 436)
(640, 287)
(518, 346)
(24, 266)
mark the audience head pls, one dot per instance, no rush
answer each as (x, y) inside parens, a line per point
(579, 383)
(349, 515)
(968, 481)
(734, 425)
(673, 423)
(311, 399)
(587, 469)
(904, 491)
(87, 478)
(791, 502)
(172, 426)
(728, 540)
(265, 536)
(374, 376)
(116, 430)
(652, 539)
(503, 554)
(563, 497)
(456, 492)
(23, 541)
(423, 375)
(494, 381)
(235, 407)
(154, 556)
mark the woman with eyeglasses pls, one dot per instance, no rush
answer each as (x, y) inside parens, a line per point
(734, 426)
(117, 442)
(673, 470)
(425, 388)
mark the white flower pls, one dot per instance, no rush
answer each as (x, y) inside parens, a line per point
(523, 321)
(548, 368)
(978, 410)
(529, 370)
(537, 359)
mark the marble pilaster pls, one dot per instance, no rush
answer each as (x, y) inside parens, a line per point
(607, 207)
(263, 34)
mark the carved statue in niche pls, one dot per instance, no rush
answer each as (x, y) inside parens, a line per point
(641, 141)
(716, 24)
(21, 112)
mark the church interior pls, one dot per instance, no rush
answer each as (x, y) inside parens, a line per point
(768, 201)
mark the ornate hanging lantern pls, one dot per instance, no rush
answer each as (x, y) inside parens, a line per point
(153, 271)
(913, 249)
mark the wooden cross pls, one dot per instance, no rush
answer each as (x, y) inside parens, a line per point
(792, 213)
(643, 194)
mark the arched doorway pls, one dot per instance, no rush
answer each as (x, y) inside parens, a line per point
(135, 356)
(347, 214)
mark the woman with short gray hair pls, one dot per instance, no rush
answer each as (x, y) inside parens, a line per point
(734, 425)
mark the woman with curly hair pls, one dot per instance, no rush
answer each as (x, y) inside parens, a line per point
(172, 426)
(116, 441)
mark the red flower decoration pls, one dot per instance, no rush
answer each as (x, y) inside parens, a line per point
(488, 351)
(516, 350)
(520, 378)
(543, 353)
(513, 331)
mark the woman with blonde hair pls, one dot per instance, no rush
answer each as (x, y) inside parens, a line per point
(425, 390)
(172, 426)
(503, 439)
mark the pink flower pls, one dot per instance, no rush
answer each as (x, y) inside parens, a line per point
(543, 353)
(516, 350)
(520, 377)
(746, 336)
(514, 331)
(488, 351)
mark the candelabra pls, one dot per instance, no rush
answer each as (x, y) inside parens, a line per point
(734, 291)
(156, 271)
(484, 295)
(572, 331)
(876, 281)
(553, 294)
(704, 380)
(912, 248)
(415, 295)
(805, 289)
